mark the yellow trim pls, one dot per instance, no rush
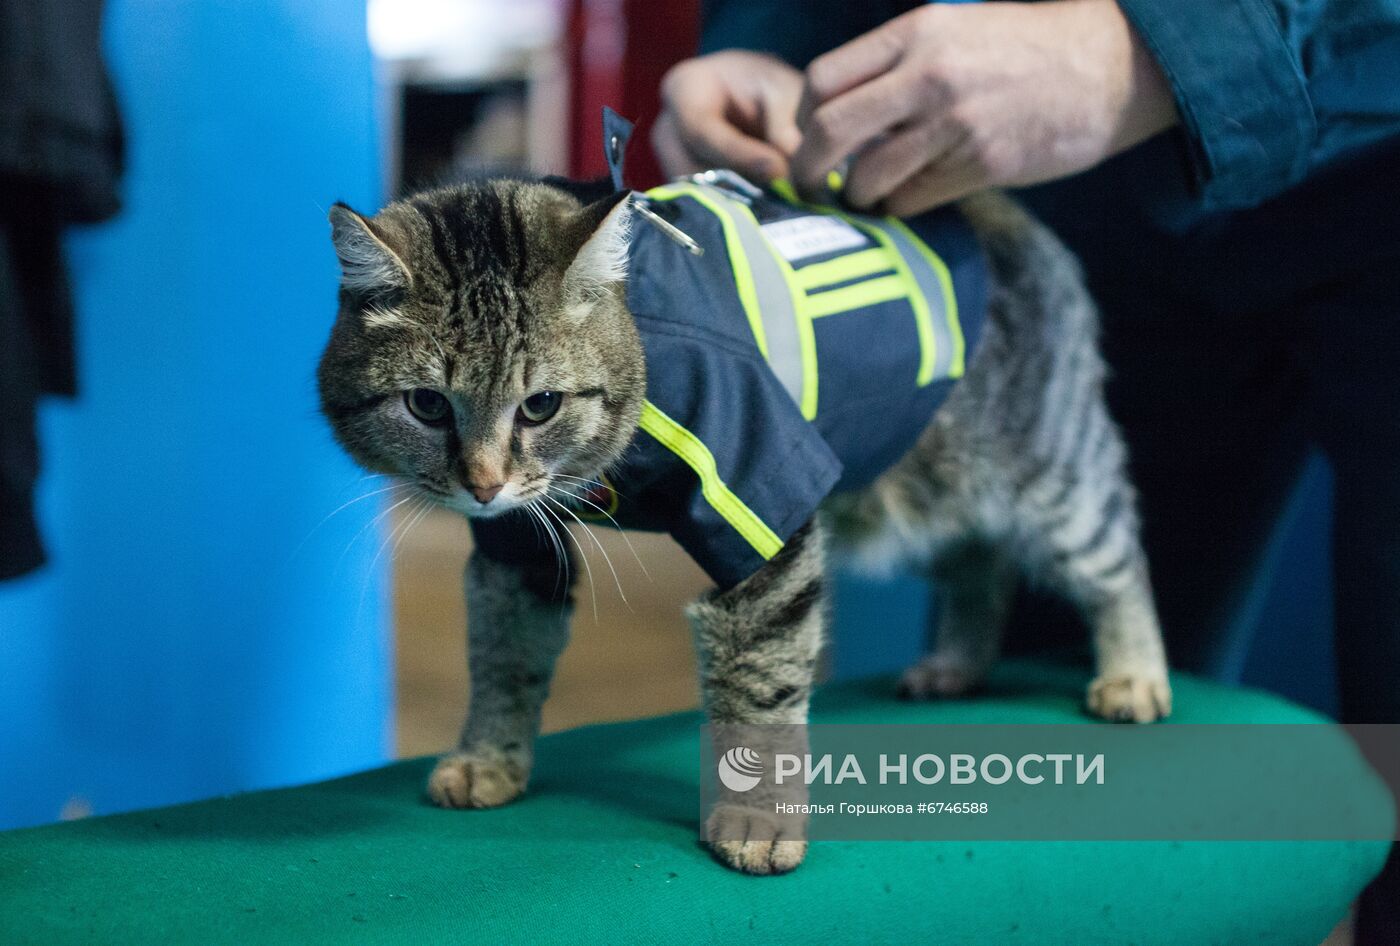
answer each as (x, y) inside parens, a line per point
(950, 299)
(857, 296)
(843, 268)
(784, 189)
(698, 457)
(738, 261)
(806, 337)
(743, 279)
(923, 321)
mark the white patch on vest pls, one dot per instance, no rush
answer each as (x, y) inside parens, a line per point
(800, 237)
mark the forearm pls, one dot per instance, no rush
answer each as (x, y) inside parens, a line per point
(1142, 103)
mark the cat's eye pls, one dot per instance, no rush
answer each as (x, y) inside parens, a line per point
(428, 406)
(538, 408)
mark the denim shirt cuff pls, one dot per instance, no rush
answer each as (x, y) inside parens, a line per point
(1240, 91)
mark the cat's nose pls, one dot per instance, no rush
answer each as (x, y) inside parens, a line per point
(484, 494)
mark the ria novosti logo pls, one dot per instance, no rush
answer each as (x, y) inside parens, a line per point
(740, 769)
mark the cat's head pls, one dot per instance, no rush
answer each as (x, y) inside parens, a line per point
(483, 349)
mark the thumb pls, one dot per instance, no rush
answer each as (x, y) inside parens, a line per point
(780, 123)
(934, 186)
(721, 145)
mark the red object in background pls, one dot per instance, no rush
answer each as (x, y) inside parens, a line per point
(617, 52)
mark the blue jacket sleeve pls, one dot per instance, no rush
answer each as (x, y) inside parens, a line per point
(1268, 90)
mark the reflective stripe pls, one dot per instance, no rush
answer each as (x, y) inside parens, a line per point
(950, 321)
(843, 268)
(766, 279)
(692, 450)
(856, 296)
(941, 343)
(738, 256)
(931, 296)
(791, 346)
(781, 302)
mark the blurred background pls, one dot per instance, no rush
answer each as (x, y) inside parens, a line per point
(223, 602)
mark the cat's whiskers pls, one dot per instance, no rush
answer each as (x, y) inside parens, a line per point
(341, 508)
(582, 479)
(582, 552)
(538, 518)
(423, 511)
(606, 558)
(379, 515)
(560, 559)
(590, 483)
(603, 512)
(399, 529)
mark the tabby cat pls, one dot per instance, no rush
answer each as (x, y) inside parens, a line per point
(484, 351)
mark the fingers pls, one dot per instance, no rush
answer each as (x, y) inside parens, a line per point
(944, 182)
(845, 125)
(699, 136)
(718, 144)
(884, 166)
(779, 119)
(848, 66)
(670, 151)
(718, 111)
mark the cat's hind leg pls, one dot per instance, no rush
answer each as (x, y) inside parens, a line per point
(974, 583)
(1086, 525)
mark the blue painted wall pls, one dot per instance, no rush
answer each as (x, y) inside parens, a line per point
(197, 632)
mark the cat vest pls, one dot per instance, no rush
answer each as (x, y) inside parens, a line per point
(799, 354)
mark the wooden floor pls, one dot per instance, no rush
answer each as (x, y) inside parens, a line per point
(634, 659)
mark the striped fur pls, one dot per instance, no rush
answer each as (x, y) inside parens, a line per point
(492, 291)
(1022, 472)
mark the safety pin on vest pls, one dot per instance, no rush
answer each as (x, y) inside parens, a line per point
(643, 207)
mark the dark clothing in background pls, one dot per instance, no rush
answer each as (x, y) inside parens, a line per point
(1248, 268)
(1237, 346)
(60, 157)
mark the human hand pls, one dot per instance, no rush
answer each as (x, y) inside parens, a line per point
(950, 99)
(732, 109)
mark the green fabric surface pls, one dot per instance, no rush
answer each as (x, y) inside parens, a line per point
(604, 849)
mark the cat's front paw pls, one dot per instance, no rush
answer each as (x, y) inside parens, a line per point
(1130, 699)
(754, 841)
(475, 780)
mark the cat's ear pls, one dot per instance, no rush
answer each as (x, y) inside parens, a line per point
(369, 266)
(601, 232)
